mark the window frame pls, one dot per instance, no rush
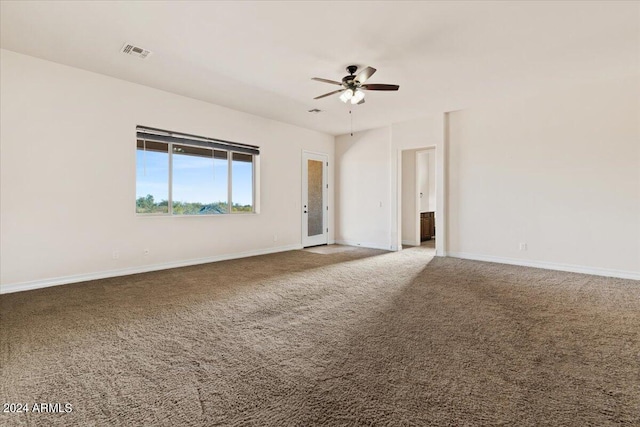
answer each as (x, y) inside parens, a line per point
(230, 151)
(253, 184)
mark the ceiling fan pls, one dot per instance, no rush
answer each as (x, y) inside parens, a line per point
(354, 85)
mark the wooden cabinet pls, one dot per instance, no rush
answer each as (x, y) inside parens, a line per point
(427, 226)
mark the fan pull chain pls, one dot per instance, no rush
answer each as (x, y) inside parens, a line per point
(351, 116)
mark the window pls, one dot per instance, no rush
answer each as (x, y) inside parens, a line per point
(152, 164)
(242, 178)
(200, 181)
(179, 174)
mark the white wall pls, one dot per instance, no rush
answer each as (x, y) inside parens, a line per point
(426, 170)
(422, 170)
(363, 190)
(68, 177)
(431, 173)
(559, 172)
(369, 174)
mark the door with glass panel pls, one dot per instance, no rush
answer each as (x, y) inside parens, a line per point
(314, 199)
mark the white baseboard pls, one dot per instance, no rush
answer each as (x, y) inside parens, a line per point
(45, 283)
(411, 243)
(364, 244)
(621, 274)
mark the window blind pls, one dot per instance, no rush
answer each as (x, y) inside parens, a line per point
(161, 135)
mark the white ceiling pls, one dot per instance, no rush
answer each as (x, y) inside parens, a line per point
(259, 57)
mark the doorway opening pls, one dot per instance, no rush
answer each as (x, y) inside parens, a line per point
(418, 198)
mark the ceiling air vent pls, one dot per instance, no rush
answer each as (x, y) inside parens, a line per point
(130, 49)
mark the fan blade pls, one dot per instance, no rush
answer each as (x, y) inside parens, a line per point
(378, 86)
(333, 82)
(328, 94)
(364, 75)
(361, 102)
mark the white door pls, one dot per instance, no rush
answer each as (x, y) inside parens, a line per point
(314, 199)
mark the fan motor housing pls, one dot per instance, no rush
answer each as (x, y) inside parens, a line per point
(348, 80)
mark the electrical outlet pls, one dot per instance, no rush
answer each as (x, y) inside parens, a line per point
(275, 237)
(523, 246)
(115, 255)
(146, 251)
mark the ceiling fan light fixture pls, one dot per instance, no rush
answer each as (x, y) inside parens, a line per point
(352, 86)
(346, 95)
(357, 97)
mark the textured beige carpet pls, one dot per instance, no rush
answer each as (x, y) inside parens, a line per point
(344, 337)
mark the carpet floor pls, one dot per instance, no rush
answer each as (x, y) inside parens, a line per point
(348, 336)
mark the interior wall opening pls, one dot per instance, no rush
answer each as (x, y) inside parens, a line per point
(418, 198)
